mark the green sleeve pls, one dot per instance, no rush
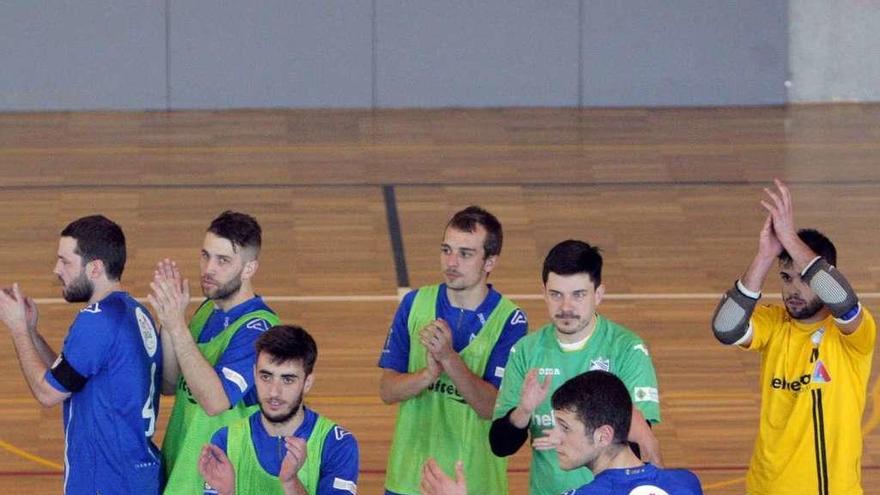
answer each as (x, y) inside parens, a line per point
(514, 374)
(637, 373)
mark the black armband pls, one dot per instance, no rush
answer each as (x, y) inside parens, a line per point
(68, 377)
(505, 438)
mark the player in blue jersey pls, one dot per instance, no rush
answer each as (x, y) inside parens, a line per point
(444, 358)
(109, 369)
(593, 414)
(285, 447)
(209, 364)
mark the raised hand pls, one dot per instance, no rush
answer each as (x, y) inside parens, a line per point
(533, 392)
(13, 309)
(437, 338)
(216, 469)
(781, 210)
(169, 295)
(769, 245)
(293, 460)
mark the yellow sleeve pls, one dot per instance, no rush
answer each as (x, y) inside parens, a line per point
(766, 320)
(862, 340)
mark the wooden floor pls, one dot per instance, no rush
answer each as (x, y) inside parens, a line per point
(670, 195)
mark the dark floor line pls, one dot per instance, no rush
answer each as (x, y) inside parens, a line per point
(395, 236)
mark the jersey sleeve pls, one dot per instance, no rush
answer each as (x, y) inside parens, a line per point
(86, 349)
(765, 320)
(516, 328)
(395, 352)
(514, 373)
(235, 367)
(862, 340)
(637, 372)
(339, 464)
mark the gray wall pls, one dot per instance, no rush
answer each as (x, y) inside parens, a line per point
(391, 53)
(831, 45)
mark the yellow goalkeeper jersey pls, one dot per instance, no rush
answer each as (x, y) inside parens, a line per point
(813, 387)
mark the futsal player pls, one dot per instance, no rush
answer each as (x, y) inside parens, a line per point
(285, 447)
(109, 371)
(816, 352)
(209, 364)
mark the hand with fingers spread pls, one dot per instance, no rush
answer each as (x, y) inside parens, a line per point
(781, 210)
(169, 296)
(216, 469)
(436, 482)
(13, 309)
(437, 338)
(533, 392)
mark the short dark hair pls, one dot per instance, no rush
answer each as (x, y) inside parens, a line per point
(285, 343)
(99, 238)
(572, 257)
(816, 241)
(467, 220)
(241, 229)
(597, 398)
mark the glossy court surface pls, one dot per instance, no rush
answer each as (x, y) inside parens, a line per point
(353, 204)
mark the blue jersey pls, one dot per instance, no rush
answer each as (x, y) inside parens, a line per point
(465, 325)
(339, 457)
(235, 368)
(111, 363)
(644, 480)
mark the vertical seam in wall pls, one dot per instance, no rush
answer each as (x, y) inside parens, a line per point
(167, 55)
(374, 58)
(580, 74)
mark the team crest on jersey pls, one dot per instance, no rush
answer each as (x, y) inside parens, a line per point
(648, 490)
(91, 308)
(519, 318)
(646, 394)
(339, 433)
(600, 363)
(148, 332)
(820, 373)
(258, 325)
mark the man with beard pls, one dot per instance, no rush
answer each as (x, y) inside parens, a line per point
(815, 359)
(109, 369)
(577, 340)
(208, 365)
(444, 358)
(285, 447)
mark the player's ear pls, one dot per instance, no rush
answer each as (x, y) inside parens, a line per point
(600, 293)
(94, 269)
(310, 379)
(490, 263)
(250, 269)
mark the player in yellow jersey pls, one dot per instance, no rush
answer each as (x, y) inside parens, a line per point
(815, 359)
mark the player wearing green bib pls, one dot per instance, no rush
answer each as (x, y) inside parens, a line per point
(284, 448)
(208, 365)
(577, 340)
(444, 359)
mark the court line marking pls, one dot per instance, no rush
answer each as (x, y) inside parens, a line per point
(31, 457)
